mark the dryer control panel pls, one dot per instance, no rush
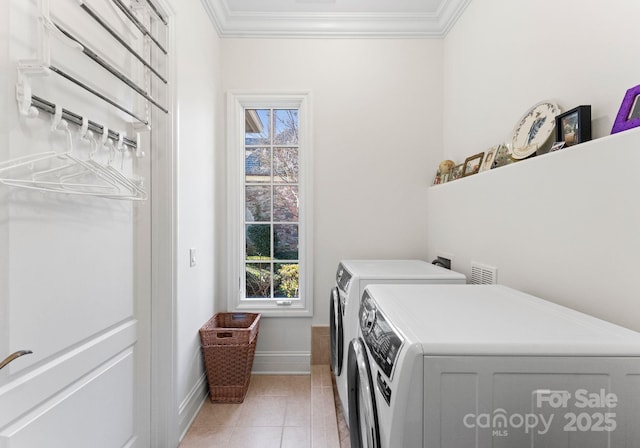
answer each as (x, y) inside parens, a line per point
(383, 340)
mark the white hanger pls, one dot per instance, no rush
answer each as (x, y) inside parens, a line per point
(126, 189)
(31, 160)
(70, 174)
(42, 180)
(71, 168)
(137, 190)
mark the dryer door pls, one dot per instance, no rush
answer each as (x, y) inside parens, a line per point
(363, 414)
(335, 327)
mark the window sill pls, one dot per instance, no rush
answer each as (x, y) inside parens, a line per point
(269, 310)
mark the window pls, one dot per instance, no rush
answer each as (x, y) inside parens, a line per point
(269, 204)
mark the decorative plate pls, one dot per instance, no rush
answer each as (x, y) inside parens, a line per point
(534, 129)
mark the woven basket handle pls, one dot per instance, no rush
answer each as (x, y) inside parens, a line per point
(224, 334)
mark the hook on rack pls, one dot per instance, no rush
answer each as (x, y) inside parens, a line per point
(84, 128)
(105, 136)
(57, 121)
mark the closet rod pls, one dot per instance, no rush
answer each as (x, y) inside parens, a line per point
(49, 107)
(143, 29)
(157, 13)
(96, 93)
(121, 41)
(114, 71)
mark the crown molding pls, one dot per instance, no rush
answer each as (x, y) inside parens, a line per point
(333, 25)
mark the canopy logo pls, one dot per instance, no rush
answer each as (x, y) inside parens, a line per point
(500, 422)
(593, 418)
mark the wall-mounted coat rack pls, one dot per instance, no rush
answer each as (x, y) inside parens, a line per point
(104, 24)
(42, 66)
(65, 171)
(143, 29)
(110, 68)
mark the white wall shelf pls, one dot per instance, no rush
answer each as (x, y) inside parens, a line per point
(563, 226)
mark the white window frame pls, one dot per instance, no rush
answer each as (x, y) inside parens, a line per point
(237, 102)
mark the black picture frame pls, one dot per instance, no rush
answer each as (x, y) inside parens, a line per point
(574, 126)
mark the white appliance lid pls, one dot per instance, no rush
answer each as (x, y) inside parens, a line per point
(497, 320)
(399, 269)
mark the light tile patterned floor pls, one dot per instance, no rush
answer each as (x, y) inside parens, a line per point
(280, 411)
(343, 429)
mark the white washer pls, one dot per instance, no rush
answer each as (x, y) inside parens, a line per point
(352, 277)
(451, 366)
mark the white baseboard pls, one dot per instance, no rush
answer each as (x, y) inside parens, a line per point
(282, 363)
(191, 405)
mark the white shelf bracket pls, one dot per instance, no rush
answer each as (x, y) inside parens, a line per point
(29, 68)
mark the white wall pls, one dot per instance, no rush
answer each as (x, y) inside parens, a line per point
(558, 226)
(502, 57)
(376, 108)
(564, 225)
(4, 155)
(197, 91)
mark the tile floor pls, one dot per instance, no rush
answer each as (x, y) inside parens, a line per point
(279, 411)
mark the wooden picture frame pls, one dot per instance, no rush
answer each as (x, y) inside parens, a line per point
(629, 113)
(472, 164)
(574, 126)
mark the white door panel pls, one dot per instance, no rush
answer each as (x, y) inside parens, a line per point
(74, 275)
(27, 391)
(88, 275)
(95, 411)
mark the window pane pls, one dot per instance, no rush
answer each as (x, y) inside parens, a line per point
(256, 125)
(258, 242)
(258, 280)
(286, 280)
(285, 239)
(285, 165)
(257, 165)
(285, 203)
(285, 123)
(258, 203)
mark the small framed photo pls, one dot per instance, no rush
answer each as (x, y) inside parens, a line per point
(442, 178)
(574, 126)
(489, 158)
(472, 164)
(456, 172)
(503, 156)
(629, 113)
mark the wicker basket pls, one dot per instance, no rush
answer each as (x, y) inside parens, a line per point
(228, 345)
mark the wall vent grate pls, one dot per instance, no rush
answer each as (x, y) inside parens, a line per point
(481, 274)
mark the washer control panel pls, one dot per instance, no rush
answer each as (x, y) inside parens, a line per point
(383, 340)
(343, 278)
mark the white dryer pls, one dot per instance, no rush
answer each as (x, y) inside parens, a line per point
(461, 366)
(352, 277)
